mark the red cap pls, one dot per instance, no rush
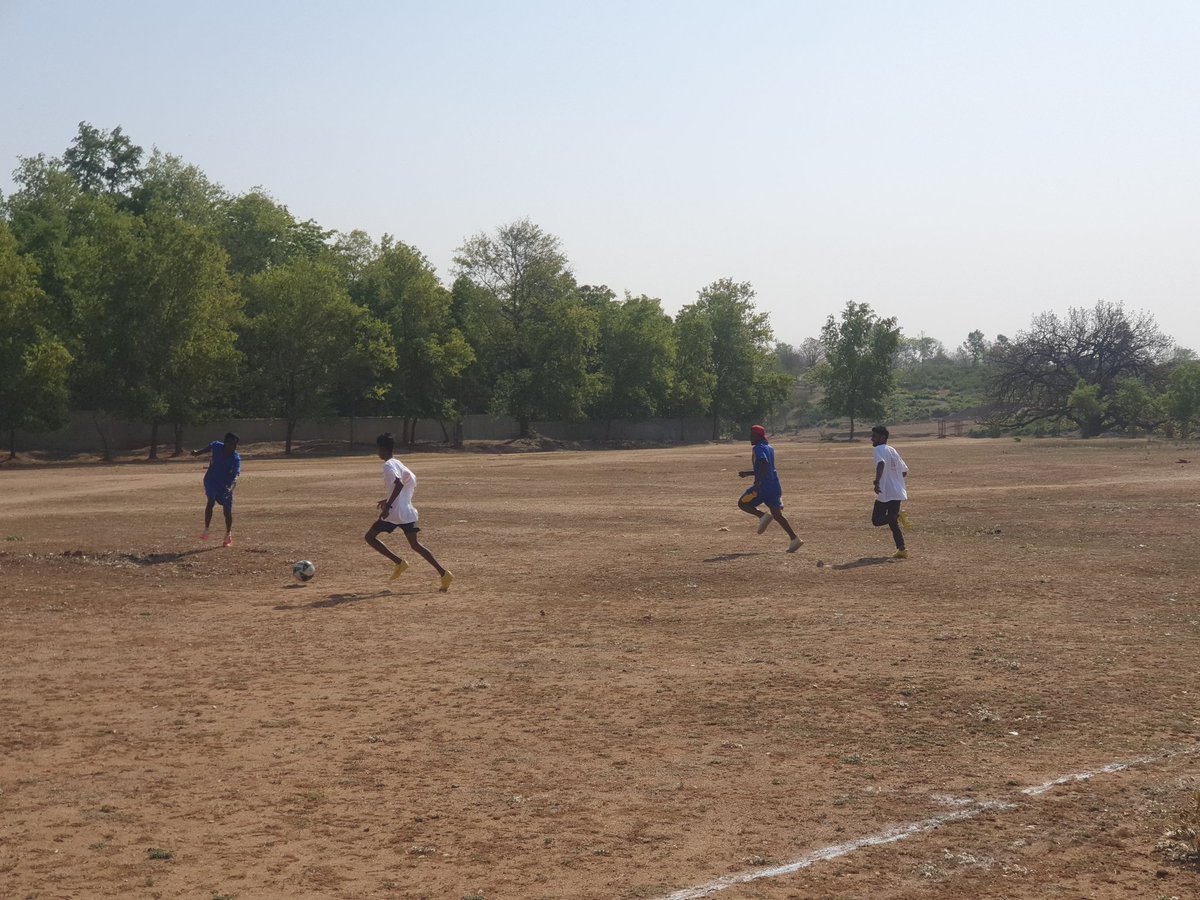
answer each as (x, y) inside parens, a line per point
(758, 431)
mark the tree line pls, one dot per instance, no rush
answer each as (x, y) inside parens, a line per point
(133, 286)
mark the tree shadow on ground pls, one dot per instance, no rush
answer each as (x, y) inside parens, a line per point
(726, 557)
(864, 561)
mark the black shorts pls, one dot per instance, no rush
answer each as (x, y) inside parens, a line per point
(389, 527)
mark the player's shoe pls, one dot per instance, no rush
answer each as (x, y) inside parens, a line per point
(795, 545)
(401, 568)
(447, 577)
(903, 519)
(204, 535)
(764, 522)
(900, 554)
(228, 542)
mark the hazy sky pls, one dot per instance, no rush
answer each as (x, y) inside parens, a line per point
(955, 164)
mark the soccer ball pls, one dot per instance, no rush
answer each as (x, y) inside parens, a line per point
(304, 570)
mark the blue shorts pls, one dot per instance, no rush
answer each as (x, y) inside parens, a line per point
(221, 494)
(752, 498)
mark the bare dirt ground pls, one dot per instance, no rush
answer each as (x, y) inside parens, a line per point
(626, 693)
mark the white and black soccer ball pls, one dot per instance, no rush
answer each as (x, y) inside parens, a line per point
(304, 570)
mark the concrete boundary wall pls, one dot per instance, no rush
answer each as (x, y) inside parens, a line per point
(87, 433)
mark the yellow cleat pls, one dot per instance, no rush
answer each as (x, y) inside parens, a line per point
(447, 577)
(900, 554)
(401, 568)
(903, 519)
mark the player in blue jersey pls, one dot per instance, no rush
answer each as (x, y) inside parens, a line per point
(766, 489)
(223, 470)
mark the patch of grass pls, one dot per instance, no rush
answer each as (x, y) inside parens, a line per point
(159, 853)
(1181, 844)
(758, 860)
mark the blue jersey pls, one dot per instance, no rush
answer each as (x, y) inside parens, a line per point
(768, 481)
(223, 469)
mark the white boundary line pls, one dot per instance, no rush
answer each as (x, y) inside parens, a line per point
(900, 832)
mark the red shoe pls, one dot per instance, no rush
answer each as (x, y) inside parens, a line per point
(228, 541)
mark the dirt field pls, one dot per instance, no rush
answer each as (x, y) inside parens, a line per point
(626, 693)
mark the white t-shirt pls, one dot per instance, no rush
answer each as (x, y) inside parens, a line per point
(402, 512)
(891, 485)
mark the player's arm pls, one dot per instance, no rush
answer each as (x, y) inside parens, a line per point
(878, 475)
(760, 472)
(201, 451)
(385, 505)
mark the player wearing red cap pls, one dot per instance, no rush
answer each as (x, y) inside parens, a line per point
(766, 489)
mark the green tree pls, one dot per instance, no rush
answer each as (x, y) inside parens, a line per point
(974, 348)
(1182, 399)
(475, 311)
(103, 162)
(308, 343)
(695, 381)
(400, 287)
(914, 352)
(259, 233)
(746, 380)
(50, 216)
(352, 252)
(168, 186)
(858, 370)
(156, 313)
(540, 352)
(635, 357)
(1038, 375)
(33, 363)
(1137, 405)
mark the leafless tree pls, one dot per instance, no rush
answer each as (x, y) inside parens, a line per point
(1073, 368)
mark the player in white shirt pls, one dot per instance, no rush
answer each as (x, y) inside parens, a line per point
(396, 510)
(890, 488)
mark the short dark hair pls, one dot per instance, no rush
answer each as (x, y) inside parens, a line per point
(881, 431)
(386, 442)
(231, 438)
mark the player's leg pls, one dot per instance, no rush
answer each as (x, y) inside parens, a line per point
(208, 511)
(423, 551)
(893, 522)
(879, 514)
(749, 502)
(778, 516)
(446, 575)
(372, 537)
(227, 509)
